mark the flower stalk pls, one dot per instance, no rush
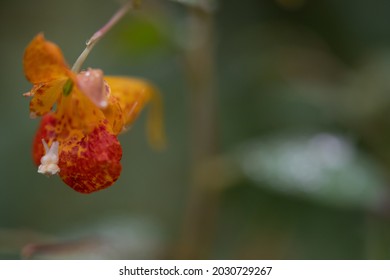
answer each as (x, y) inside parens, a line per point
(201, 211)
(101, 32)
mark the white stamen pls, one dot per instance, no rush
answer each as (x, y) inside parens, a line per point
(45, 146)
(50, 160)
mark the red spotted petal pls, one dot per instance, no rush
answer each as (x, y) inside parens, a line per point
(92, 163)
(87, 164)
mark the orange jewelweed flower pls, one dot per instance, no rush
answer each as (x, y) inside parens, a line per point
(77, 138)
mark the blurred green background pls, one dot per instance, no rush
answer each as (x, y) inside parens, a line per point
(301, 133)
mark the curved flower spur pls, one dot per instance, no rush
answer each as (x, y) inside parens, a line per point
(78, 139)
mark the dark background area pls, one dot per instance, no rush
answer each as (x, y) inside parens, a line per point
(302, 106)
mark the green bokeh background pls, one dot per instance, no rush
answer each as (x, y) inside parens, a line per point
(286, 72)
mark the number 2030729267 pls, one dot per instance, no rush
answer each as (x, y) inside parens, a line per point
(242, 270)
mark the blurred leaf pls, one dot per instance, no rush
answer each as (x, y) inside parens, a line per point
(13, 240)
(323, 167)
(115, 238)
(366, 93)
(140, 36)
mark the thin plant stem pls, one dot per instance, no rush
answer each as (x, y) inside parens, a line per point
(101, 32)
(200, 214)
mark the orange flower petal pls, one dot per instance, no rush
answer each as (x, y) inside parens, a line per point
(77, 114)
(92, 163)
(44, 96)
(43, 61)
(113, 114)
(132, 95)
